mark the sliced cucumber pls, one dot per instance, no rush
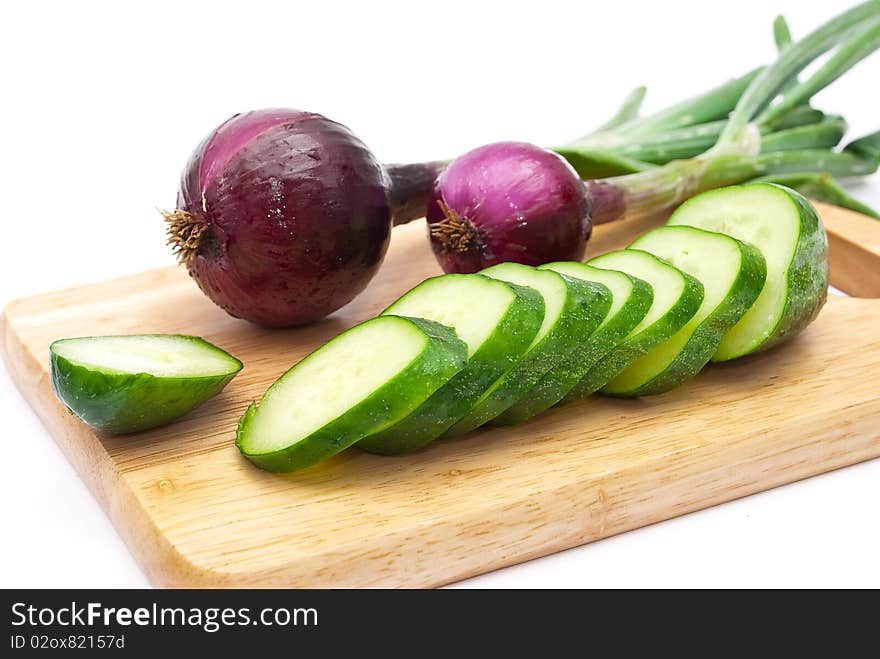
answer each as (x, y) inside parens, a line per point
(573, 310)
(498, 321)
(732, 274)
(786, 229)
(631, 299)
(124, 384)
(362, 381)
(677, 296)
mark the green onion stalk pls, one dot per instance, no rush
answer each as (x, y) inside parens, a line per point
(758, 126)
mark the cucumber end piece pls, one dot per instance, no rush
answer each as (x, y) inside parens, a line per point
(787, 230)
(127, 384)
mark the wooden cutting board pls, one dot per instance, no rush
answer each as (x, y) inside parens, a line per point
(195, 513)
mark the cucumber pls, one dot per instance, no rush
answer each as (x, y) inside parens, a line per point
(677, 296)
(786, 229)
(362, 381)
(631, 299)
(573, 310)
(498, 321)
(125, 384)
(732, 274)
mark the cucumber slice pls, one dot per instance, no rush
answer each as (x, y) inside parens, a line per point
(732, 274)
(573, 310)
(631, 298)
(362, 381)
(497, 320)
(124, 384)
(786, 229)
(677, 296)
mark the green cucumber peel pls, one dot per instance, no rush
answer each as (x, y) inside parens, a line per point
(732, 273)
(561, 345)
(632, 298)
(677, 296)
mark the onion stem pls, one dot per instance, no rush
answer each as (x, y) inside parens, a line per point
(410, 186)
(802, 114)
(867, 147)
(712, 105)
(844, 58)
(628, 110)
(689, 142)
(822, 135)
(601, 163)
(782, 37)
(781, 33)
(792, 60)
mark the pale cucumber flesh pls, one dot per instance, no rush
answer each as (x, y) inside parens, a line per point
(551, 288)
(160, 355)
(331, 381)
(668, 284)
(621, 287)
(472, 305)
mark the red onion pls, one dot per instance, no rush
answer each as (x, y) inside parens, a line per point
(284, 216)
(509, 201)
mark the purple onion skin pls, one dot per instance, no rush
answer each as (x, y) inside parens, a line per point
(520, 202)
(295, 212)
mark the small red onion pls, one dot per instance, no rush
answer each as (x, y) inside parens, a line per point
(508, 201)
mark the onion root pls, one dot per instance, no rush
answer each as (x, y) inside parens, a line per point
(454, 233)
(185, 231)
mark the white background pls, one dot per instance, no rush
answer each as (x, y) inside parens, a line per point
(104, 102)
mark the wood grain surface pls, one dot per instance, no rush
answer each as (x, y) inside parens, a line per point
(195, 513)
